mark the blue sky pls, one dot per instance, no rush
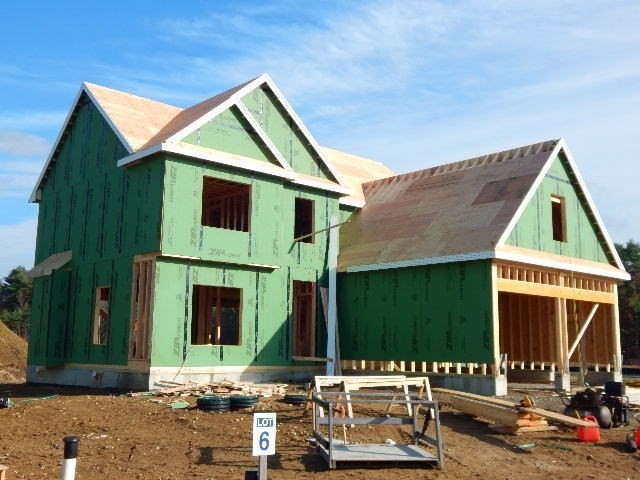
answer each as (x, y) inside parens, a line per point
(410, 83)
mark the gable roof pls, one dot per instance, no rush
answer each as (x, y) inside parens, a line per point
(459, 211)
(146, 127)
(356, 171)
(134, 119)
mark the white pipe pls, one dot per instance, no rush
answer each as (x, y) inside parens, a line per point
(70, 456)
(332, 307)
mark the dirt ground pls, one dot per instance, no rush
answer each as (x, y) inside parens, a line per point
(143, 438)
(13, 356)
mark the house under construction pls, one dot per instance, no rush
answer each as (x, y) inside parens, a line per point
(201, 243)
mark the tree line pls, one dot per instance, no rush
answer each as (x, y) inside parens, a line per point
(16, 288)
(15, 301)
(629, 302)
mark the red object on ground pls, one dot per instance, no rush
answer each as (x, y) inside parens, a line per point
(589, 434)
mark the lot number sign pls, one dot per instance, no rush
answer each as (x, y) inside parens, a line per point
(264, 434)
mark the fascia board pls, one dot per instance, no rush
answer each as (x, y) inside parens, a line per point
(322, 186)
(178, 136)
(559, 265)
(352, 203)
(228, 161)
(207, 156)
(498, 255)
(263, 136)
(106, 117)
(592, 205)
(34, 193)
(527, 198)
(416, 262)
(226, 262)
(301, 126)
(136, 157)
(83, 88)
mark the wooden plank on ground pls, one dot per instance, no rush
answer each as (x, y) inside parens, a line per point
(558, 417)
(495, 413)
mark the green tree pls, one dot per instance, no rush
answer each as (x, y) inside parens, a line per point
(15, 300)
(629, 301)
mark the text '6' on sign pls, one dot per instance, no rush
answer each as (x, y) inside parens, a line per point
(264, 434)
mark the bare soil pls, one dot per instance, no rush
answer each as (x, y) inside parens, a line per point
(13, 356)
(143, 438)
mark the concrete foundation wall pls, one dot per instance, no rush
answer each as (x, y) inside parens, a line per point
(126, 380)
(478, 384)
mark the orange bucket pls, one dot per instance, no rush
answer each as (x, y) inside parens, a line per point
(589, 434)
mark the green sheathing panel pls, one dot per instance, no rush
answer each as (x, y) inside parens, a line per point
(231, 132)
(269, 240)
(534, 228)
(346, 212)
(431, 313)
(105, 215)
(288, 139)
(226, 256)
(266, 308)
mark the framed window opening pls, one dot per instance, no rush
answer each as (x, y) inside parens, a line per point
(558, 218)
(100, 329)
(303, 223)
(216, 315)
(304, 319)
(226, 204)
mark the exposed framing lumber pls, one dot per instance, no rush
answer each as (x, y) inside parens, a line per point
(515, 286)
(142, 293)
(585, 325)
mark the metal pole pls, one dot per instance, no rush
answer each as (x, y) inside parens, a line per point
(262, 475)
(332, 314)
(70, 456)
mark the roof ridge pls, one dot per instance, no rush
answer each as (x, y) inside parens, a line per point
(491, 158)
(187, 115)
(479, 161)
(89, 85)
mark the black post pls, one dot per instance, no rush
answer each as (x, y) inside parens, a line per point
(70, 456)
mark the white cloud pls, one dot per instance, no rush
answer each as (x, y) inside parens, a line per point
(15, 142)
(29, 120)
(18, 177)
(17, 245)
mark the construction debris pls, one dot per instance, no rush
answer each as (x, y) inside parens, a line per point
(506, 417)
(226, 387)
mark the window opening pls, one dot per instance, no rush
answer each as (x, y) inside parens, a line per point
(558, 220)
(225, 204)
(216, 314)
(101, 316)
(303, 220)
(304, 318)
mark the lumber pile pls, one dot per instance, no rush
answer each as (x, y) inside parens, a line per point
(168, 388)
(526, 422)
(505, 416)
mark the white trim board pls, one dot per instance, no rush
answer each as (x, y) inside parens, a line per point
(231, 160)
(34, 193)
(235, 99)
(263, 136)
(209, 156)
(514, 257)
(301, 126)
